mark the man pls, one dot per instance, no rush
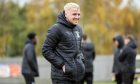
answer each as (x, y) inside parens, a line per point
(117, 66)
(62, 47)
(89, 55)
(128, 59)
(29, 64)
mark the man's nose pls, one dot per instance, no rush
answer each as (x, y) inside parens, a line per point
(77, 16)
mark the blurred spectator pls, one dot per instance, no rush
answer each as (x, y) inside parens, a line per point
(89, 55)
(128, 59)
(29, 64)
(117, 66)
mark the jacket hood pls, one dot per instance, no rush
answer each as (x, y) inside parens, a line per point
(62, 20)
(133, 44)
(120, 40)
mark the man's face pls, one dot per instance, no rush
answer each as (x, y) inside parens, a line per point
(35, 40)
(126, 41)
(73, 15)
(116, 43)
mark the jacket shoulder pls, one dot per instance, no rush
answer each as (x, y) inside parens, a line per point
(79, 27)
(55, 28)
(29, 46)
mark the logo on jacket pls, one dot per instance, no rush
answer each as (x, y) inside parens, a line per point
(68, 33)
(77, 34)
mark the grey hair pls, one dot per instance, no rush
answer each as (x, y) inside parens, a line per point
(70, 5)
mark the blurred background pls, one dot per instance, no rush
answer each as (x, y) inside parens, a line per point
(100, 19)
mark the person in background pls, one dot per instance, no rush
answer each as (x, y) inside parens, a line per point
(62, 47)
(29, 64)
(88, 50)
(117, 65)
(128, 59)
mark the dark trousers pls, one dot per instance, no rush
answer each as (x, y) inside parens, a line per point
(29, 79)
(128, 78)
(88, 78)
(118, 78)
(64, 82)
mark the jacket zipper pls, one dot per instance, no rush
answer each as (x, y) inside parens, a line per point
(76, 53)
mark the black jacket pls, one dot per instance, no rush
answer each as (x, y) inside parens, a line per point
(117, 65)
(29, 63)
(89, 55)
(62, 46)
(128, 57)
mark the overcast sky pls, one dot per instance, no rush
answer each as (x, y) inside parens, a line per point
(137, 2)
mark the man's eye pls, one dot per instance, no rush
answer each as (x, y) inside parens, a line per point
(76, 14)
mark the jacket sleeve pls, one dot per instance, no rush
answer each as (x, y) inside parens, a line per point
(93, 52)
(49, 48)
(114, 63)
(113, 68)
(32, 60)
(123, 54)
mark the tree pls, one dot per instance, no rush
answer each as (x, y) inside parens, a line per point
(39, 18)
(12, 26)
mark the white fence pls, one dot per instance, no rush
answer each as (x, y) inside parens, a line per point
(102, 67)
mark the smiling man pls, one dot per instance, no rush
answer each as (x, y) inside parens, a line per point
(72, 13)
(62, 47)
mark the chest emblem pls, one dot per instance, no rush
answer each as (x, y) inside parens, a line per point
(77, 34)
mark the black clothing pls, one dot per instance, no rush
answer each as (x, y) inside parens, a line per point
(117, 66)
(119, 79)
(88, 78)
(62, 46)
(120, 40)
(128, 78)
(64, 82)
(89, 55)
(128, 59)
(29, 79)
(29, 63)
